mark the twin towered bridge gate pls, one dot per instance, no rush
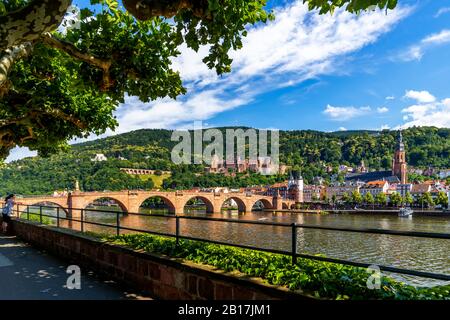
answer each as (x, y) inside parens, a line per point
(131, 201)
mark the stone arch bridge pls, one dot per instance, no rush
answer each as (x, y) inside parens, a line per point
(130, 201)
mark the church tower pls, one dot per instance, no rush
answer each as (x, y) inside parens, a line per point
(399, 162)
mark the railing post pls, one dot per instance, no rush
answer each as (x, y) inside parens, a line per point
(82, 220)
(18, 212)
(117, 224)
(28, 212)
(57, 217)
(294, 243)
(177, 229)
(40, 214)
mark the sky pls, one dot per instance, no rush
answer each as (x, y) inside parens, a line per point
(375, 71)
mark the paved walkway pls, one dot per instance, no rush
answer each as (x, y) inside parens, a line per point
(30, 274)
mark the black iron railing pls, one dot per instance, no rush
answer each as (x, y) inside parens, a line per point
(293, 226)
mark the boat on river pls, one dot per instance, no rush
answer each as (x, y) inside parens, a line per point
(405, 212)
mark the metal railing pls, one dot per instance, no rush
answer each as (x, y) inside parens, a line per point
(292, 226)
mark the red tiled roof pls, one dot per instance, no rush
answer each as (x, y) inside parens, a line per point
(420, 188)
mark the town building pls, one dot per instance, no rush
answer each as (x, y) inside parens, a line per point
(99, 157)
(139, 172)
(313, 193)
(262, 165)
(374, 187)
(417, 190)
(338, 191)
(392, 188)
(362, 168)
(280, 188)
(444, 174)
(404, 188)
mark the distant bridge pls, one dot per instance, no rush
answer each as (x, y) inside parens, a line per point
(131, 201)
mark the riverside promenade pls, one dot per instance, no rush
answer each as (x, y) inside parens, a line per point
(30, 274)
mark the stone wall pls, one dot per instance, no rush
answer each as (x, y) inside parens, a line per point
(159, 276)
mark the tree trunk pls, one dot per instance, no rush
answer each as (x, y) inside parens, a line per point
(30, 22)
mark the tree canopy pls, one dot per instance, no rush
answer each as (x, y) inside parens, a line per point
(59, 81)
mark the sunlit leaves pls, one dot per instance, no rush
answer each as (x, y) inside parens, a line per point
(354, 6)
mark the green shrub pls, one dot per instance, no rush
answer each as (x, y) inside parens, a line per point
(35, 217)
(321, 279)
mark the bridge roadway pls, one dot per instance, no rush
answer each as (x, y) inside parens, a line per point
(29, 274)
(130, 201)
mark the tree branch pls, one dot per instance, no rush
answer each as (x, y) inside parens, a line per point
(73, 51)
(10, 57)
(32, 116)
(28, 23)
(147, 9)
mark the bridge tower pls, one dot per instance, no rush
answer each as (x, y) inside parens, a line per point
(295, 186)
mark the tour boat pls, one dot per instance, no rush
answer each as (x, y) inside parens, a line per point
(405, 212)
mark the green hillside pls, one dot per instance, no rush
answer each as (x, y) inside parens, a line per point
(309, 151)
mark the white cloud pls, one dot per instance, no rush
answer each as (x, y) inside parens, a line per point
(168, 113)
(390, 98)
(442, 11)
(342, 129)
(438, 38)
(420, 96)
(345, 113)
(385, 127)
(416, 52)
(432, 113)
(297, 46)
(20, 153)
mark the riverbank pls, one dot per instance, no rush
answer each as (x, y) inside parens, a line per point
(394, 212)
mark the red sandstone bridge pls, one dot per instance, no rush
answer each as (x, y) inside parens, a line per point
(131, 201)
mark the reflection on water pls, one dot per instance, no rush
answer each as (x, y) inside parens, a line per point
(432, 255)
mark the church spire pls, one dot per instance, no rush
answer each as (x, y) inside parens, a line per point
(399, 166)
(400, 144)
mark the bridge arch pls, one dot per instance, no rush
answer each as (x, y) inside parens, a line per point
(209, 205)
(169, 204)
(91, 201)
(284, 206)
(240, 203)
(266, 203)
(50, 204)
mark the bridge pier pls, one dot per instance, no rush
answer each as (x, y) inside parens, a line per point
(75, 203)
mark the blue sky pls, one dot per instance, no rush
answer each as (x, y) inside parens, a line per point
(305, 71)
(328, 73)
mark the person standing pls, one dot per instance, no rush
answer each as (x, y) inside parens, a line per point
(7, 211)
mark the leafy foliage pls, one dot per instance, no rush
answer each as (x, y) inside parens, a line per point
(355, 6)
(320, 279)
(309, 151)
(75, 78)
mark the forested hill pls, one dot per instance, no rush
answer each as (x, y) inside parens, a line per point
(307, 150)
